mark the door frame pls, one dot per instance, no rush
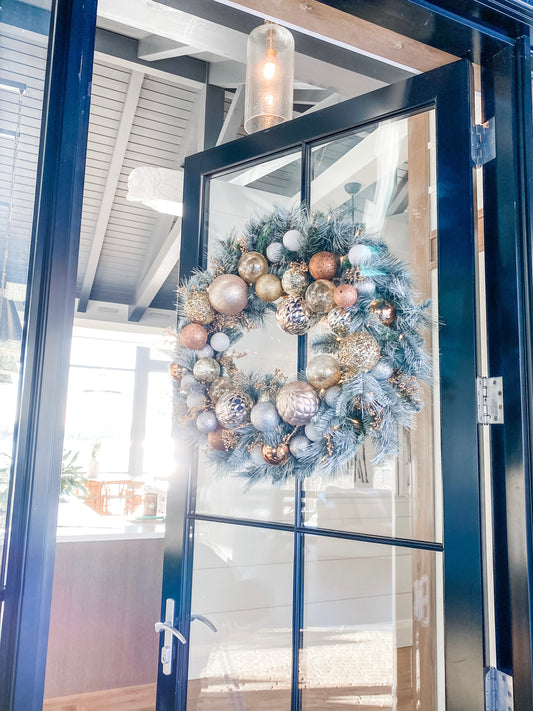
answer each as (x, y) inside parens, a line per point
(457, 244)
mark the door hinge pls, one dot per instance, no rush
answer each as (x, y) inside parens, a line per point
(498, 691)
(483, 142)
(489, 401)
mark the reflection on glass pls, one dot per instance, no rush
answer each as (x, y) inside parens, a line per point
(234, 198)
(371, 627)
(242, 584)
(382, 178)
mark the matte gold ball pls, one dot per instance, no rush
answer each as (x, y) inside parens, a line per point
(252, 265)
(297, 402)
(339, 321)
(206, 370)
(345, 295)
(268, 287)
(323, 371)
(384, 311)
(228, 294)
(275, 455)
(323, 265)
(319, 296)
(193, 336)
(359, 352)
(294, 315)
(294, 282)
(198, 308)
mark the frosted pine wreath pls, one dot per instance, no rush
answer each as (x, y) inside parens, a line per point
(366, 363)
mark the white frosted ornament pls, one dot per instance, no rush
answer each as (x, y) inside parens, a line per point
(293, 240)
(187, 382)
(382, 370)
(206, 422)
(312, 432)
(367, 287)
(332, 395)
(359, 254)
(299, 446)
(205, 352)
(196, 399)
(274, 253)
(264, 416)
(219, 341)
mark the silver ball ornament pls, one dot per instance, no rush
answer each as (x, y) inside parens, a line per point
(187, 382)
(196, 399)
(299, 446)
(382, 370)
(206, 422)
(220, 341)
(359, 254)
(264, 416)
(205, 352)
(332, 395)
(206, 370)
(233, 409)
(274, 253)
(293, 240)
(367, 287)
(312, 432)
(297, 402)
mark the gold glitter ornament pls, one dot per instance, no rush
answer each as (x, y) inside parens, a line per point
(297, 402)
(359, 352)
(294, 281)
(233, 409)
(252, 265)
(217, 387)
(268, 287)
(275, 455)
(323, 371)
(228, 294)
(339, 321)
(319, 296)
(294, 315)
(383, 310)
(323, 265)
(198, 308)
(206, 370)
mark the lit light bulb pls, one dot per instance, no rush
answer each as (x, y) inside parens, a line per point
(269, 100)
(269, 67)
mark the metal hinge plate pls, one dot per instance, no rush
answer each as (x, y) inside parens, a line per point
(489, 401)
(498, 691)
(483, 142)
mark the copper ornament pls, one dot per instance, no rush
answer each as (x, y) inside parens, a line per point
(339, 321)
(268, 287)
(294, 315)
(275, 455)
(323, 265)
(228, 294)
(252, 265)
(297, 402)
(319, 296)
(383, 310)
(359, 352)
(198, 308)
(345, 295)
(193, 336)
(176, 372)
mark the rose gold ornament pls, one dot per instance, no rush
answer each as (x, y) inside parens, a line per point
(252, 265)
(323, 265)
(384, 311)
(193, 336)
(297, 402)
(228, 294)
(215, 439)
(345, 295)
(275, 455)
(359, 352)
(198, 308)
(268, 287)
(319, 296)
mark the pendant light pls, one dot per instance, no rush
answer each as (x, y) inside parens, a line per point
(269, 77)
(158, 188)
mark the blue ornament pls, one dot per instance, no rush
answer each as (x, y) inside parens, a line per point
(196, 399)
(299, 446)
(332, 395)
(264, 416)
(382, 370)
(312, 432)
(206, 422)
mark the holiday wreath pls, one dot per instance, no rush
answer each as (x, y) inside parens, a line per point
(369, 358)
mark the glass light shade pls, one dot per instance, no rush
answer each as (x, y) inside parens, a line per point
(158, 188)
(269, 77)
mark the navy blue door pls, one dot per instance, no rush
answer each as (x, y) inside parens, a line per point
(365, 589)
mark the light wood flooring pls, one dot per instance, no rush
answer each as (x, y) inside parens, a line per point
(133, 698)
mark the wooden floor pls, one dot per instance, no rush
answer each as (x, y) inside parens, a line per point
(134, 698)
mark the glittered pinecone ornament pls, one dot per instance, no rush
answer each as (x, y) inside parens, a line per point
(339, 321)
(297, 402)
(359, 352)
(294, 315)
(233, 409)
(198, 308)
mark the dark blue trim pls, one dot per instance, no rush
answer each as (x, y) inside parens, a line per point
(29, 17)
(49, 314)
(508, 245)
